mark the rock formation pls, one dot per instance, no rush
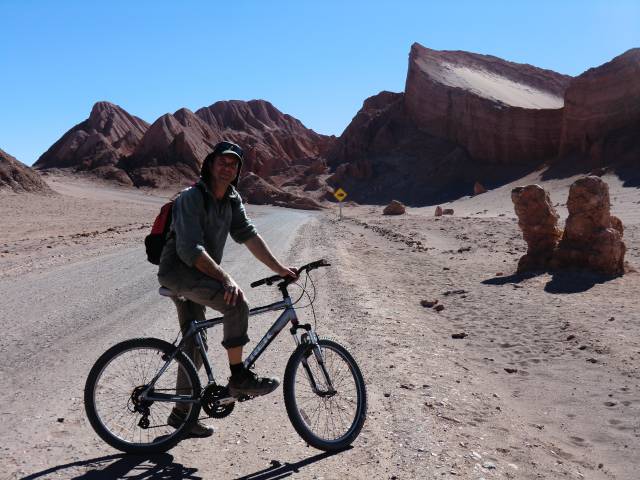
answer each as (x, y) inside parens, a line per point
(592, 237)
(438, 212)
(109, 134)
(478, 188)
(499, 111)
(538, 221)
(18, 178)
(257, 190)
(602, 111)
(394, 208)
(169, 152)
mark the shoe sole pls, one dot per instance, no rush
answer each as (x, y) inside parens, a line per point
(252, 393)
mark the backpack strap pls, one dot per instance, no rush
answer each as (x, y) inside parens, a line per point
(205, 195)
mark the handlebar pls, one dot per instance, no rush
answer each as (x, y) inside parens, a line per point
(275, 278)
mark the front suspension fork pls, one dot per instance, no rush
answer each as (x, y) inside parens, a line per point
(310, 337)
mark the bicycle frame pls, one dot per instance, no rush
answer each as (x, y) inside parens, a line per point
(196, 327)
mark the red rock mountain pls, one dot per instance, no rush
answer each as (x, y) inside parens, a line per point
(466, 117)
(98, 143)
(17, 177)
(170, 151)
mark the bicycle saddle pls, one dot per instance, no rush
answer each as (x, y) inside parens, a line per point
(166, 292)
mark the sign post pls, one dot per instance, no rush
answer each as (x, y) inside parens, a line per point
(340, 195)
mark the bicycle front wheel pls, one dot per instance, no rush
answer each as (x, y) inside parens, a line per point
(115, 404)
(327, 406)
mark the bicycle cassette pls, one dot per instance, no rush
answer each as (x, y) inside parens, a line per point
(216, 401)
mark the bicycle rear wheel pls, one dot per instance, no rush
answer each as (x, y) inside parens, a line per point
(113, 402)
(326, 418)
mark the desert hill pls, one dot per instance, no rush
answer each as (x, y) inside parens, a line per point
(17, 177)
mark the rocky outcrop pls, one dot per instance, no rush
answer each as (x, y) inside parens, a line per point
(258, 191)
(109, 134)
(169, 152)
(272, 140)
(499, 111)
(15, 176)
(538, 221)
(394, 208)
(602, 110)
(592, 237)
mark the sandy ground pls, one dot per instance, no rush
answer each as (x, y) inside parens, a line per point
(545, 384)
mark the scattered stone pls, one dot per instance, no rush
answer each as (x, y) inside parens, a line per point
(538, 220)
(582, 347)
(460, 335)
(447, 211)
(438, 212)
(592, 360)
(428, 303)
(610, 404)
(454, 292)
(511, 370)
(409, 386)
(571, 337)
(438, 308)
(489, 465)
(60, 420)
(394, 208)
(478, 188)
(611, 319)
(387, 395)
(499, 274)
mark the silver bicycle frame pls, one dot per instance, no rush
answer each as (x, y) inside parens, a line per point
(195, 329)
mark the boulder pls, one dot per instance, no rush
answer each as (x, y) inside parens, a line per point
(438, 212)
(592, 237)
(478, 188)
(394, 208)
(538, 220)
(258, 191)
(447, 211)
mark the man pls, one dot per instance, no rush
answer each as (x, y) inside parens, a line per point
(203, 217)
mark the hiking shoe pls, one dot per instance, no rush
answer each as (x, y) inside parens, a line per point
(248, 383)
(200, 430)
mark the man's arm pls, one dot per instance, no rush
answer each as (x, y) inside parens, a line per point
(260, 250)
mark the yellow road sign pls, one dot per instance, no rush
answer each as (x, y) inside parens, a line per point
(340, 194)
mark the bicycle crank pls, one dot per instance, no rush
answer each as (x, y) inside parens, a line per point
(216, 401)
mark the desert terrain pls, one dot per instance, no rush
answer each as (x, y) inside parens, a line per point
(544, 382)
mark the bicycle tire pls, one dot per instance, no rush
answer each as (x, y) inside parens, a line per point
(294, 409)
(95, 374)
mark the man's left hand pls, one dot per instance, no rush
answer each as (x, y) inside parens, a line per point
(288, 272)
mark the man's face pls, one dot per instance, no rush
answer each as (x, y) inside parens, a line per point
(224, 169)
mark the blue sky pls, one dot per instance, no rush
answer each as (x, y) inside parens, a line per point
(317, 61)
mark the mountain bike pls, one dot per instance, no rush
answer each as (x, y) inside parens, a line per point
(131, 389)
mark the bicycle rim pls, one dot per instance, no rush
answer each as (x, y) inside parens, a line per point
(330, 419)
(113, 396)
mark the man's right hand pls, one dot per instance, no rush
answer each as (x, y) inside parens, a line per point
(232, 292)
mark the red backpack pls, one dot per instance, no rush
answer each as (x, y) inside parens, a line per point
(155, 241)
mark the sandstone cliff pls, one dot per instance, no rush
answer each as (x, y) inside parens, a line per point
(499, 111)
(602, 111)
(17, 177)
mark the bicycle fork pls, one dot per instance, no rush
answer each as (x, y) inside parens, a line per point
(311, 338)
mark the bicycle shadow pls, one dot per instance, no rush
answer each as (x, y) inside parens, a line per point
(278, 470)
(147, 467)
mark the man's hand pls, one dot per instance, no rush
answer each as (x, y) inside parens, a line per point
(232, 292)
(287, 272)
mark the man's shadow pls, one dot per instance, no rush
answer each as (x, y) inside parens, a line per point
(562, 282)
(140, 467)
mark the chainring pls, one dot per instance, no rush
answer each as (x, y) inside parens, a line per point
(209, 401)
